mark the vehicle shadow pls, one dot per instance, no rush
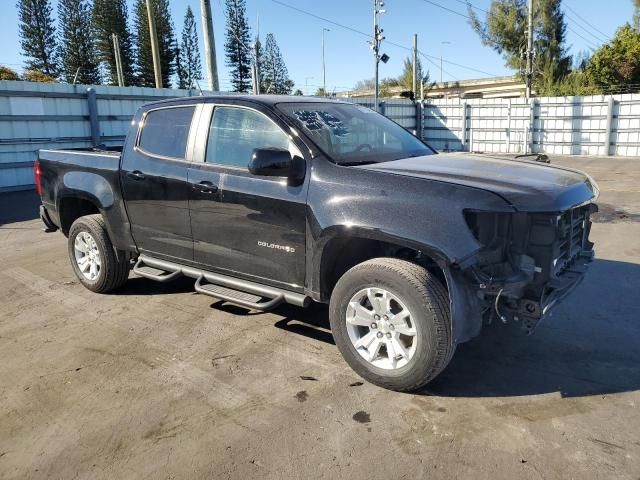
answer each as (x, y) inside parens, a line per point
(18, 206)
(144, 286)
(588, 346)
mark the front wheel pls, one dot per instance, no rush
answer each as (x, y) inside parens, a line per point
(93, 257)
(390, 320)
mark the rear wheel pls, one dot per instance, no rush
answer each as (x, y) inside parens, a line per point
(93, 257)
(390, 320)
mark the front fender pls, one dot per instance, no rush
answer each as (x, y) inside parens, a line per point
(464, 306)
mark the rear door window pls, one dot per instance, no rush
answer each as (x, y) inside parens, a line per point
(165, 132)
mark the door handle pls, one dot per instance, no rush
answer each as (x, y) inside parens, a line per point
(136, 175)
(206, 187)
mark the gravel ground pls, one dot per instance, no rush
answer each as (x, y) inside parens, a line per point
(159, 382)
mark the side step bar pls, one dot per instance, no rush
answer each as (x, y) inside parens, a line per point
(229, 289)
(243, 299)
(154, 273)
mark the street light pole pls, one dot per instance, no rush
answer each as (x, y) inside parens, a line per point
(375, 45)
(414, 76)
(324, 73)
(529, 72)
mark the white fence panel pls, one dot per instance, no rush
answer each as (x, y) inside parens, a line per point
(38, 115)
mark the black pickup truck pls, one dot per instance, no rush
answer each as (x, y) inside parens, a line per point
(271, 199)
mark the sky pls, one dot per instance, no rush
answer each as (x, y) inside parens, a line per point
(348, 57)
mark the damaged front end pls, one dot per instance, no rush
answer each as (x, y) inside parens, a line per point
(528, 261)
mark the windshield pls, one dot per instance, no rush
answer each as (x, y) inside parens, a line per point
(353, 134)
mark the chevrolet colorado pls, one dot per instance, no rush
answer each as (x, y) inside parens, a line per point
(271, 199)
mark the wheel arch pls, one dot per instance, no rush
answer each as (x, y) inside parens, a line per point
(72, 206)
(343, 250)
(346, 247)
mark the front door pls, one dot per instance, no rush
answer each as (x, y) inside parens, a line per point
(154, 184)
(242, 224)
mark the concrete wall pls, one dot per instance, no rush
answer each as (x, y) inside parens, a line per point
(38, 115)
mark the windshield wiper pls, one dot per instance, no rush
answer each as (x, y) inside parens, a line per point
(354, 163)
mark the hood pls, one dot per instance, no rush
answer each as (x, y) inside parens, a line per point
(527, 186)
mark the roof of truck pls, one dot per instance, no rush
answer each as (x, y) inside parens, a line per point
(264, 99)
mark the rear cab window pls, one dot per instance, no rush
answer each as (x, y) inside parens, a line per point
(165, 132)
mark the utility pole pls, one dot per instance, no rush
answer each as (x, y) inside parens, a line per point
(375, 46)
(529, 71)
(255, 70)
(414, 84)
(209, 45)
(324, 72)
(154, 45)
(118, 59)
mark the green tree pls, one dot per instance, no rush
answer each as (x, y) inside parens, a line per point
(367, 84)
(37, 76)
(182, 78)
(109, 17)
(386, 86)
(616, 63)
(189, 66)
(504, 29)
(7, 73)
(258, 60)
(320, 92)
(406, 77)
(166, 42)
(636, 14)
(77, 48)
(38, 36)
(237, 45)
(275, 76)
(298, 93)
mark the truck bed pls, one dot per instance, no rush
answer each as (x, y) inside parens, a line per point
(80, 156)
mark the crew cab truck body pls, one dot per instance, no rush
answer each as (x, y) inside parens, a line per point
(269, 199)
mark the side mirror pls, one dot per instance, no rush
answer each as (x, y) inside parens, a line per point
(274, 162)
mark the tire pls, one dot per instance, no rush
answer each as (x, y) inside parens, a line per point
(411, 287)
(113, 270)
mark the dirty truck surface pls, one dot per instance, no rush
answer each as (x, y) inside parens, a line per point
(155, 381)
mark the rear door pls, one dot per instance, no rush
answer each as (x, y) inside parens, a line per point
(249, 226)
(154, 182)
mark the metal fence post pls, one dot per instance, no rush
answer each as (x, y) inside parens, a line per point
(532, 120)
(92, 102)
(464, 126)
(418, 105)
(382, 108)
(508, 139)
(611, 105)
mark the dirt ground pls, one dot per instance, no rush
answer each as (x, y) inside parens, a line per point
(159, 382)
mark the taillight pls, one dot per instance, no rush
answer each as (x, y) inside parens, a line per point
(36, 177)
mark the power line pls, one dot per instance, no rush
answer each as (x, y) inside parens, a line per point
(386, 40)
(469, 4)
(593, 45)
(586, 22)
(447, 9)
(322, 18)
(597, 38)
(457, 64)
(437, 66)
